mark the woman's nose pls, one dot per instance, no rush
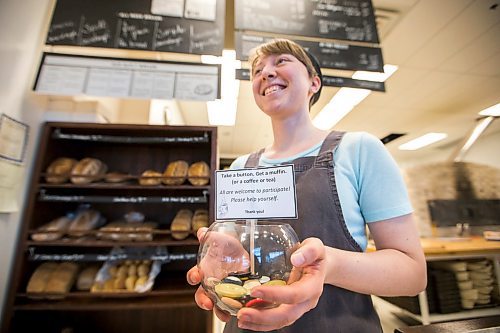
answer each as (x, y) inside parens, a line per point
(268, 72)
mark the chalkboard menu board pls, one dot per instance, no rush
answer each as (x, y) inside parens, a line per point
(329, 54)
(330, 81)
(352, 20)
(183, 26)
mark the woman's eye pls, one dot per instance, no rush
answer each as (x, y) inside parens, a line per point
(281, 60)
(257, 71)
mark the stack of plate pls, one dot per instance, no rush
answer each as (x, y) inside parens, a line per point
(466, 293)
(447, 296)
(481, 275)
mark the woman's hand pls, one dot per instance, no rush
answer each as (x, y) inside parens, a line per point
(296, 298)
(224, 254)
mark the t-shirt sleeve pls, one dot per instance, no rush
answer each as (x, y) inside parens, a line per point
(382, 191)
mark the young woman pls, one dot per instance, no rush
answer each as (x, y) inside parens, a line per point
(344, 181)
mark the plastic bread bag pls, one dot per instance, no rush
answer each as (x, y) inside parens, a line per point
(127, 271)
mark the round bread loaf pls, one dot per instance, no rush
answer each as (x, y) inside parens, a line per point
(175, 173)
(150, 178)
(59, 170)
(116, 177)
(199, 173)
(88, 170)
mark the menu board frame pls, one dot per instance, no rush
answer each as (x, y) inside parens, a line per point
(70, 74)
(150, 25)
(352, 20)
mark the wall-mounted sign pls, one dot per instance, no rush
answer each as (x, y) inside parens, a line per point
(352, 20)
(183, 26)
(336, 55)
(330, 81)
(61, 74)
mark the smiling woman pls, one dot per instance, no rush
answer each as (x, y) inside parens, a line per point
(334, 205)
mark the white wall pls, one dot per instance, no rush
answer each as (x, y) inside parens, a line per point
(22, 27)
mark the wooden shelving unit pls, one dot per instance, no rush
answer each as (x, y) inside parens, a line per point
(131, 149)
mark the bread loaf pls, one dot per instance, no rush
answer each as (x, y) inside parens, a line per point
(150, 178)
(40, 277)
(57, 228)
(88, 170)
(199, 173)
(175, 173)
(181, 224)
(86, 277)
(116, 177)
(200, 219)
(62, 278)
(84, 221)
(59, 170)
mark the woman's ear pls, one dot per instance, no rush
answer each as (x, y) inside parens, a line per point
(316, 84)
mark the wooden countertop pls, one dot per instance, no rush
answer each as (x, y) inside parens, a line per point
(489, 324)
(455, 245)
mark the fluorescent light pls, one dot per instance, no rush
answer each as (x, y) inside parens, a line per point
(210, 59)
(340, 105)
(423, 141)
(223, 111)
(491, 111)
(347, 98)
(376, 76)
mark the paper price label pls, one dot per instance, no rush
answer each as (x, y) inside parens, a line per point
(263, 193)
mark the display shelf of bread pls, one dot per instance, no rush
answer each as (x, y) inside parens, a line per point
(58, 280)
(104, 166)
(88, 225)
(64, 170)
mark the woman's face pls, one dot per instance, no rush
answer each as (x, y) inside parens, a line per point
(281, 85)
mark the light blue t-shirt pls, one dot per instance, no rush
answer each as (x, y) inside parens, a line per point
(369, 182)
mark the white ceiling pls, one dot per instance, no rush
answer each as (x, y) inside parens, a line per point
(448, 53)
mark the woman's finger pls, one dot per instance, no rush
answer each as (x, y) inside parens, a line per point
(310, 251)
(193, 276)
(270, 319)
(202, 299)
(201, 232)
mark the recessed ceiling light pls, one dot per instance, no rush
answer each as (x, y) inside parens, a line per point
(423, 141)
(491, 111)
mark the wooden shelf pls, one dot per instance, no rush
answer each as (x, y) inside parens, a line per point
(85, 242)
(129, 149)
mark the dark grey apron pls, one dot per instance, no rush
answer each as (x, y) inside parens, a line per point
(320, 215)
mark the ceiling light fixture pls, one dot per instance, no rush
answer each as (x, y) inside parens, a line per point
(376, 76)
(347, 98)
(493, 111)
(423, 141)
(223, 111)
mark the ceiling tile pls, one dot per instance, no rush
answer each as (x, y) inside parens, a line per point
(476, 52)
(462, 30)
(418, 26)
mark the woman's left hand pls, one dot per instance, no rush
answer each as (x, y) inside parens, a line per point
(296, 298)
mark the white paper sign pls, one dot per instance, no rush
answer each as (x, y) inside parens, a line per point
(263, 193)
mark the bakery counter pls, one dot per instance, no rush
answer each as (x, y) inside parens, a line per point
(480, 325)
(455, 253)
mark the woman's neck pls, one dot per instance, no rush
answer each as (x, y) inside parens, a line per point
(292, 136)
